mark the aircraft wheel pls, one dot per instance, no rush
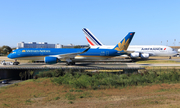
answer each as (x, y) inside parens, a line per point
(67, 63)
(73, 63)
(15, 63)
(70, 63)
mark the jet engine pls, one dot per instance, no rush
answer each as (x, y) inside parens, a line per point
(134, 55)
(144, 56)
(50, 60)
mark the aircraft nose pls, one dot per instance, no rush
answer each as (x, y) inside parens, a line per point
(9, 56)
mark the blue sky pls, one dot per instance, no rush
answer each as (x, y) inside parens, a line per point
(61, 21)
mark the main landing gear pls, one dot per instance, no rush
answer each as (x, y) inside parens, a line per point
(69, 62)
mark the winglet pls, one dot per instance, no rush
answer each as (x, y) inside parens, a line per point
(92, 40)
(123, 45)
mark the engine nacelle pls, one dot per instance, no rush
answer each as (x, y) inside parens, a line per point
(134, 55)
(50, 60)
(178, 50)
(144, 56)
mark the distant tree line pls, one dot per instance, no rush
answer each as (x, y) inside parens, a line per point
(4, 50)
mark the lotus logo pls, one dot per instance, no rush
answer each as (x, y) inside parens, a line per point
(122, 46)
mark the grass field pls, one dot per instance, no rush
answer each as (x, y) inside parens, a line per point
(42, 93)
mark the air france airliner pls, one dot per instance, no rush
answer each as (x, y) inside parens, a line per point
(142, 51)
(70, 55)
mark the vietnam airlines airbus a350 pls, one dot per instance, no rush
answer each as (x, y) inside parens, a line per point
(142, 51)
(70, 55)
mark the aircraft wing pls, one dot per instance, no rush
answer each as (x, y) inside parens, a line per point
(71, 55)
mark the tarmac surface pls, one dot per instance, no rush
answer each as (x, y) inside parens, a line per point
(10, 82)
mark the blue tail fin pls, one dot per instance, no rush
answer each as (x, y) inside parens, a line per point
(123, 45)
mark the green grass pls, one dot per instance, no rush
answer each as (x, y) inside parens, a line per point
(70, 96)
(6, 105)
(43, 90)
(57, 98)
(109, 80)
(28, 101)
(70, 102)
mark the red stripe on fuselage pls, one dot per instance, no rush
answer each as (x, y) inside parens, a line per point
(89, 41)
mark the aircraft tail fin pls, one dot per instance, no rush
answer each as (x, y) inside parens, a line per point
(92, 40)
(123, 45)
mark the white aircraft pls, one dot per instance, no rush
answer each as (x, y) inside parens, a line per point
(142, 51)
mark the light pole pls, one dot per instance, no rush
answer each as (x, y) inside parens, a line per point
(174, 41)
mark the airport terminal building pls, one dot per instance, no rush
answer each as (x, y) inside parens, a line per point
(45, 45)
(37, 45)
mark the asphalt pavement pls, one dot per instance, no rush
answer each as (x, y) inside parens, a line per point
(10, 82)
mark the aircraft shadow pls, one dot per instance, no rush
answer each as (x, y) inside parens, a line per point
(102, 65)
(135, 60)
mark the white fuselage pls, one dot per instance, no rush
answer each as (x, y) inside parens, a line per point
(152, 50)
